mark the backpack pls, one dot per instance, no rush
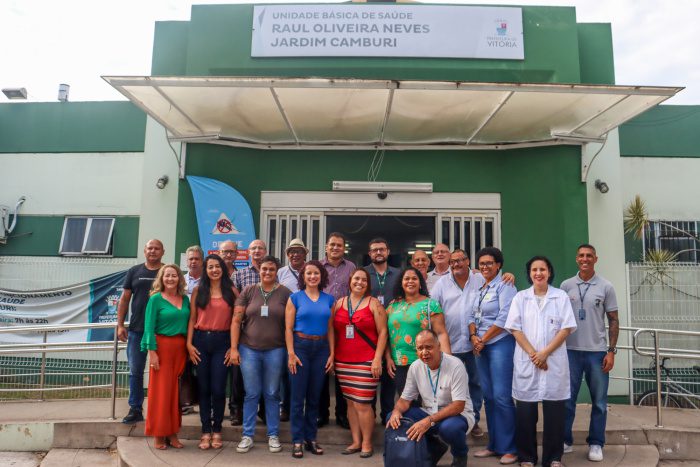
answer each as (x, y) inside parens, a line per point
(403, 452)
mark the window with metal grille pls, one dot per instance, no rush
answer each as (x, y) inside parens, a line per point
(87, 236)
(674, 237)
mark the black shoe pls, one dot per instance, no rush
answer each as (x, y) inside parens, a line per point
(284, 416)
(343, 422)
(236, 417)
(321, 422)
(459, 462)
(134, 415)
(436, 448)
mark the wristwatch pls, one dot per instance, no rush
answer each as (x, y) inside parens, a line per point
(432, 423)
(613, 350)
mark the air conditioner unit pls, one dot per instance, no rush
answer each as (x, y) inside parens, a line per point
(6, 227)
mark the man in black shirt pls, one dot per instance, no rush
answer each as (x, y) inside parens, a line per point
(137, 285)
(383, 279)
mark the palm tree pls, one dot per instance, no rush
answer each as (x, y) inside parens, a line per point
(636, 218)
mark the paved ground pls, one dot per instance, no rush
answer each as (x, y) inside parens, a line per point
(630, 432)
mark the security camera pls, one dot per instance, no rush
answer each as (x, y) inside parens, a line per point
(382, 195)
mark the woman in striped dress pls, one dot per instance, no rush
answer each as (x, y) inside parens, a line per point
(359, 325)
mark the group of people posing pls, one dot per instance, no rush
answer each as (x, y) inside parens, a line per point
(443, 341)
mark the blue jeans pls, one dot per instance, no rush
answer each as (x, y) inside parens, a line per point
(211, 377)
(306, 387)
(137, 363)
(261, 371)
(475, 393)
(496, 374)
(452, 430)
(589, 364)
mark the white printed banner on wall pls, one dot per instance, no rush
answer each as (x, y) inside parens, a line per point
(387, 31)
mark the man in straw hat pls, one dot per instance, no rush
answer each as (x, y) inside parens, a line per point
(296, 253)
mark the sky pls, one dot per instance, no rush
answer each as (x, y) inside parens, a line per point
(49, 42)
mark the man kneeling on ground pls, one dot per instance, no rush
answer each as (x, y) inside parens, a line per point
(446, 414)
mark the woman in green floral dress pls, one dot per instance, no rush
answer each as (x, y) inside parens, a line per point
(411, 311)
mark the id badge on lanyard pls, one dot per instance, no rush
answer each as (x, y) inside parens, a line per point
(349, 331)
(264, 311)
(380, 298)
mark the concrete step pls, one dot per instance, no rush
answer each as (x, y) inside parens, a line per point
(139, 452)
(81, 458)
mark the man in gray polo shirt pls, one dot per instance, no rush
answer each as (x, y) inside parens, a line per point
(590, 353)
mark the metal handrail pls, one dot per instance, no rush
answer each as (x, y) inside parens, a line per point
(49, 347)
(658, 354)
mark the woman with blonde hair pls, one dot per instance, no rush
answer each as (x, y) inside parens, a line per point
(165, 328)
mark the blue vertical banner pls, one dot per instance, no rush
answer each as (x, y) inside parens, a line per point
(222, 214)
(105, 293)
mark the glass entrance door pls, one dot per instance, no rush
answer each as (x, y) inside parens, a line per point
(404, 233)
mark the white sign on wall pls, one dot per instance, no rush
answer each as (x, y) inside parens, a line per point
(364, 30)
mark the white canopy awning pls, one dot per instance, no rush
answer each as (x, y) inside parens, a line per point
(321, 113)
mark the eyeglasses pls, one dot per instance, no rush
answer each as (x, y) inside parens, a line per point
(457, 260)
(296, 252)
(377, 250)
(486, 264)
(441, 252)
(228, 252)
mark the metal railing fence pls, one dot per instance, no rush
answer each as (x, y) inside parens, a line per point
(35, 368)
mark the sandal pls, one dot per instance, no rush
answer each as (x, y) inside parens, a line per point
(297, 451)
(205, 441)
(216, 441)
(174, 442)
(159, 443)
(314, 448)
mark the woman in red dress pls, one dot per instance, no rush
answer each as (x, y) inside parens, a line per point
(359, 324)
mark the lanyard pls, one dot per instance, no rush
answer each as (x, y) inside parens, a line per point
(583, 295)
(350, 310)
(434, 387)
(381, 280)
(266, 295)
(294, 273)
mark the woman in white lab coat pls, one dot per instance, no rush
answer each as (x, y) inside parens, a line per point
(540, 319)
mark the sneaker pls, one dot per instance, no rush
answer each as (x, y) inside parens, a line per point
(595, 453)
(134, 415)
(568, 448)
(273, 442)
(477, 432)
(245, 444)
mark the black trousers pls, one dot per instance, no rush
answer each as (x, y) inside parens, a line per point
(526, 415)
(235, 402)
(341, 405)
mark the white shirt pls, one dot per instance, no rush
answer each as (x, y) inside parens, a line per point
(191, 283)
(452, 385)
(433, 277)
(288, 277)
(456, 303)
(531, 384)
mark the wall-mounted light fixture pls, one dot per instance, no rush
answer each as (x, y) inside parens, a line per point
(601, 186)
(15, 93)
(379, 187)
(162, 181)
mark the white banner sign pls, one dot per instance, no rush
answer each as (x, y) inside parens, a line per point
(90, 302)
(387, 31)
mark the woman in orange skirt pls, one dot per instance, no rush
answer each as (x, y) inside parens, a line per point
(165, 328)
